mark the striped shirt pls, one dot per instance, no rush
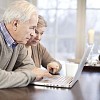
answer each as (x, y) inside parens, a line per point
(7, 37)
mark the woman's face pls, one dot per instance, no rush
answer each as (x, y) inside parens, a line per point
(35, 40)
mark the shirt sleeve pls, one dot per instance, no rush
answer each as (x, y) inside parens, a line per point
(15, 79)
(47, 58)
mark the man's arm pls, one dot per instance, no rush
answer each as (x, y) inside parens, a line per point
(15, 79)
(22, 73)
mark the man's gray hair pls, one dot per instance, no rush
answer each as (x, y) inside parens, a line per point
(20, 10)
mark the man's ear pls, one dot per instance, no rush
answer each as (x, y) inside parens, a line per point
(15, 24)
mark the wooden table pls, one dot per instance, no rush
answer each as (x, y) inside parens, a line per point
(87, 88)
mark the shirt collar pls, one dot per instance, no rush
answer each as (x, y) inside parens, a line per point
(9, 40)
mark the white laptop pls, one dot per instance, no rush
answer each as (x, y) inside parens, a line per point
(66, 81)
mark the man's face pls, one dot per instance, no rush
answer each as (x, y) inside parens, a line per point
(24, 30)
(35, 40)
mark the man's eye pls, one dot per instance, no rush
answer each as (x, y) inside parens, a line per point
(33, 28)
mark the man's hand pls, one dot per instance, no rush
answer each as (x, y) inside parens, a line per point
(53, 67)
(40, 73)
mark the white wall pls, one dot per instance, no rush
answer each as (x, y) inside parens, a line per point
(3, 5)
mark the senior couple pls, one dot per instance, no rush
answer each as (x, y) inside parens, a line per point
(21, 54)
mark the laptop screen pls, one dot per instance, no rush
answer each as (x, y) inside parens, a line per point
(83, 61)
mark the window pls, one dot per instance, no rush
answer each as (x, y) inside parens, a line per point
(93, 21)
(60, 36)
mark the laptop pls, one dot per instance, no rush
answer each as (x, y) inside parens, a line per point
(66, 81)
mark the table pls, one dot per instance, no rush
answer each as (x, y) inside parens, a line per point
(87, 88)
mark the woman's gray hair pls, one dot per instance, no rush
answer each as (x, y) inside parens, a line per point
(20, 10)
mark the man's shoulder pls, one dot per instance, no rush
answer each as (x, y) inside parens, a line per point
(20, 46)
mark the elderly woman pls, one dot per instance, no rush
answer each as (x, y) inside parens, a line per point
(39, 53)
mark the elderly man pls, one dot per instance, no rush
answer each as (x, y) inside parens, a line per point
(18, 25)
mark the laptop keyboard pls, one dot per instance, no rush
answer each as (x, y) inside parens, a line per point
(56, 79)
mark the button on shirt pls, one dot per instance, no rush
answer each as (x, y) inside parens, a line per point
(9, 40)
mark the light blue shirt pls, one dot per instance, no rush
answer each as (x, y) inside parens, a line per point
(9, 40)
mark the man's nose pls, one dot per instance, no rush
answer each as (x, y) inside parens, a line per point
(33, 34)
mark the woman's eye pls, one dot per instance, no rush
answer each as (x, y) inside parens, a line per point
(41, 33)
